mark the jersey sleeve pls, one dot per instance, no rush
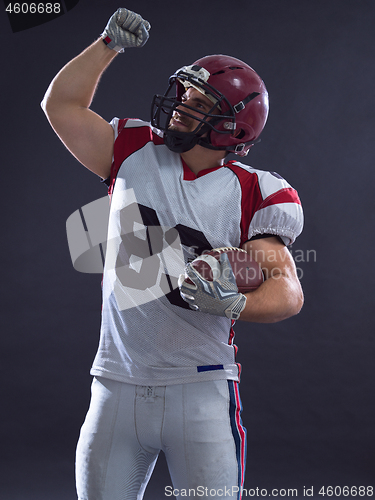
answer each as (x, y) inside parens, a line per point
(279, 211)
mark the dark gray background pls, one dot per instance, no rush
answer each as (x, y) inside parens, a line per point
(308, 382)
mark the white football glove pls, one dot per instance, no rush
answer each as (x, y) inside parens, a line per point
(125, 29)
(219, 297)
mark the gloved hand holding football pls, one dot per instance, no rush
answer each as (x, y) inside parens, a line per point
(125, 29)
(218, 296)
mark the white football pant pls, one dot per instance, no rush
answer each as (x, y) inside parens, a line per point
(196, 425)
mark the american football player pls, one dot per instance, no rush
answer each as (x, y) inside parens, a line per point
(165, 374)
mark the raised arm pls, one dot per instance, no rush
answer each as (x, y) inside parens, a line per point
(66, 103)
(68, 99)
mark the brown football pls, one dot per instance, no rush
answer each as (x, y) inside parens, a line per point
(247, 272)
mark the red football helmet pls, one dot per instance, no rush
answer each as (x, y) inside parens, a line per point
(233, 87)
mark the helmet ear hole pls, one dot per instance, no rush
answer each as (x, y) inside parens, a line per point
(240, 133)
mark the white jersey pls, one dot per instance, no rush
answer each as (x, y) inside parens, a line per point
(162, 216)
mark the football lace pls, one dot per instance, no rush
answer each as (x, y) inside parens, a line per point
(226, 249)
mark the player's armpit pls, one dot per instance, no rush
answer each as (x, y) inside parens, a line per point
(86, 135)
(280, 296)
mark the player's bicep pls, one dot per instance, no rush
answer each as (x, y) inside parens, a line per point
(273, 257)
(87, 136)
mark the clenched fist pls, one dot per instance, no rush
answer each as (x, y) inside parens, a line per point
(125, 29)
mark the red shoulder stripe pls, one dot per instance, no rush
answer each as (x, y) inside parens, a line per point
(128, 141)
(285, 195)
(251, 197)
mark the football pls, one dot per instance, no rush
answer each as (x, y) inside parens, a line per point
(247, 271)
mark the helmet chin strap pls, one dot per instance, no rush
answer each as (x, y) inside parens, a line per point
(180, 142)
(236, 149)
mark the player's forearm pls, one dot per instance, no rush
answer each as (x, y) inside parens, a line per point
(278, 298)
(76, 83)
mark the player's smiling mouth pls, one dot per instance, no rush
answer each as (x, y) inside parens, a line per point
(176, 120)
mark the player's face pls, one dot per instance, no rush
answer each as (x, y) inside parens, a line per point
(199, 103)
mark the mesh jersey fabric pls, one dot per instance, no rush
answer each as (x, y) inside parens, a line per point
(162, 216)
